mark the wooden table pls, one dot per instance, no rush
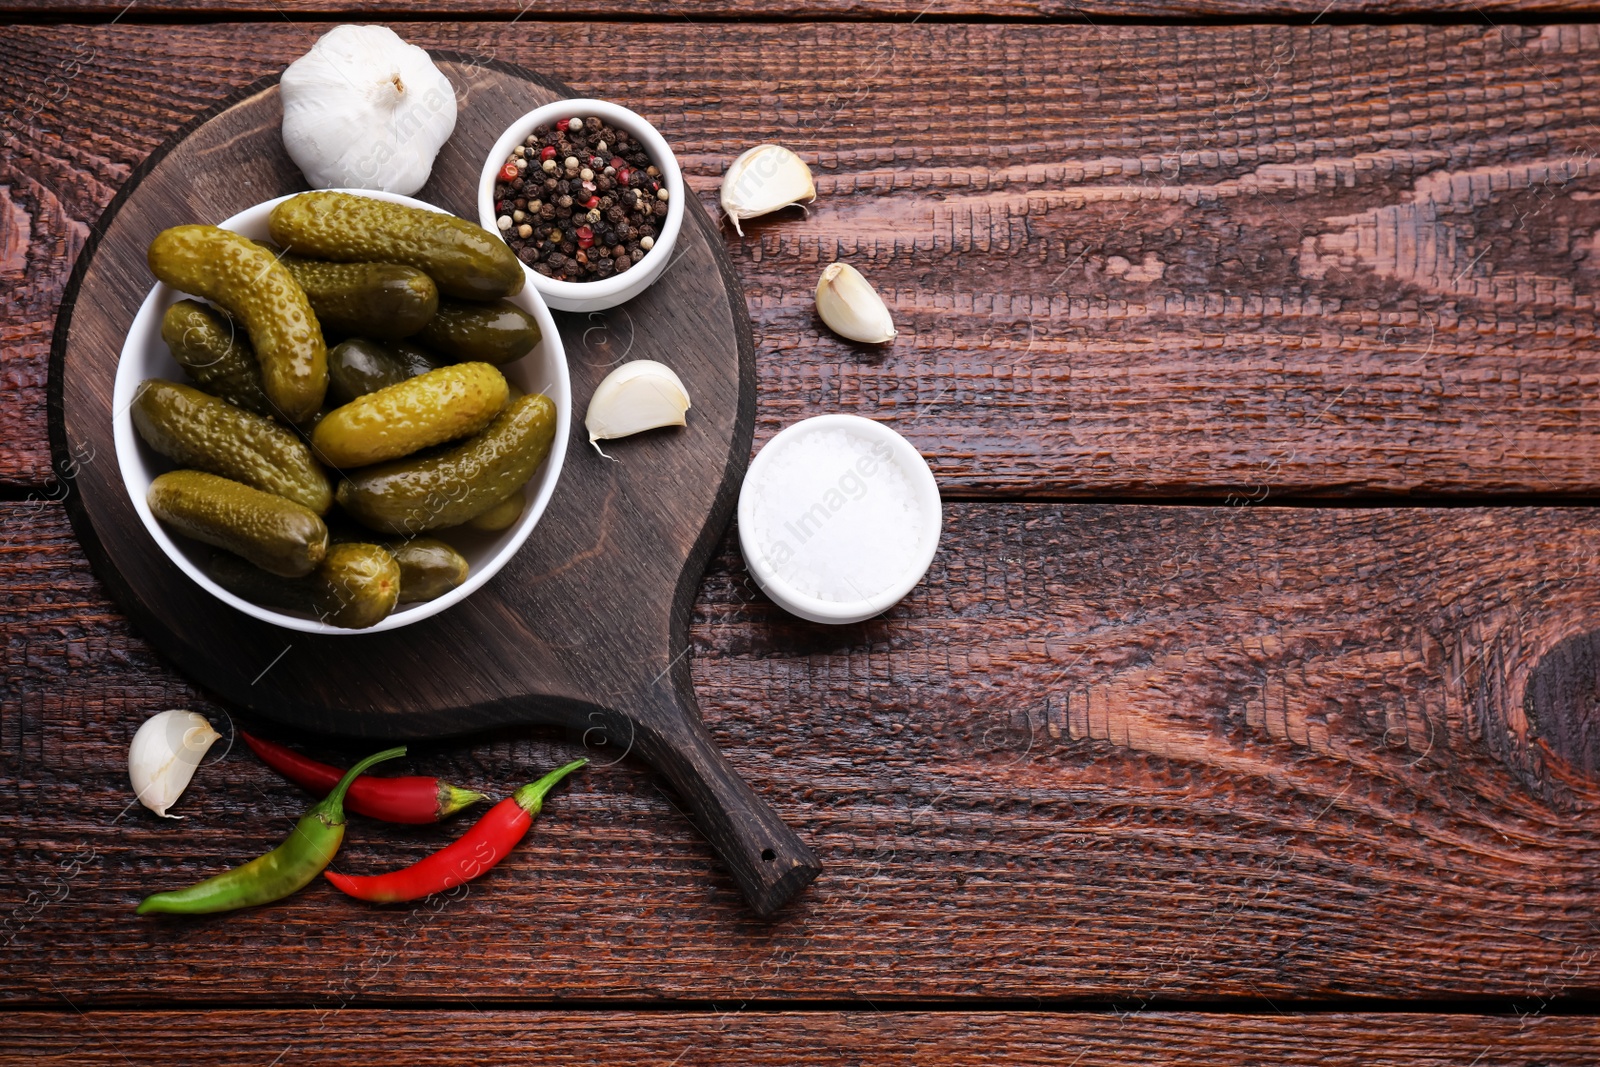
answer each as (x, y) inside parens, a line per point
(1250, 710)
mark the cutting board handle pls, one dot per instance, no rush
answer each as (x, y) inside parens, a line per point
(767, 859)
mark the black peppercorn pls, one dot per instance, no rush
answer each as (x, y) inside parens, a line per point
(624, 209)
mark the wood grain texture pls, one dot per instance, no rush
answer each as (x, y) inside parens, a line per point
(1082, 12)
(1247, 261)
(1113, 753)
(355, 1037)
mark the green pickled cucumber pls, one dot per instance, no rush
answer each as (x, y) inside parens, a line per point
(385, 301)
(429, 568)
(358, 366)
(489, 333)
(357, 585)
(360, 585)
(195, 429)
(399, 419)
(464, 259)
(271, 531)
(447, 489)
(213, 352)
(250, 284)
(502, 516)
(244, 579)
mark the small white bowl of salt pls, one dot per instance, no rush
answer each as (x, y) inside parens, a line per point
(839, 518)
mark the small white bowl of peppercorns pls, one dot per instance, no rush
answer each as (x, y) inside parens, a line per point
(589, 196)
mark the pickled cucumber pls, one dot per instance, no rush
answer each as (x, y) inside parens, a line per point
(464, 259)
(271, 531)
(399, 419)
(489, 333)
(195, 429)
(358, 366)
(502, 516)
(460, 483)
(215, 355)
(244, 579)
(353, 587)
(250, 284)
(429, 568)
(386, 301)
(359, 585)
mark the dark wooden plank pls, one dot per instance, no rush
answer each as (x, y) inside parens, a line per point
(1131, 261)
(1083, 12)
(1115, 753)
(354, 1037)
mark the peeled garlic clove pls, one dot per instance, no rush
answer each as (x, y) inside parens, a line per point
(163, 756)
(641, 395)
(764, 179)
(851, 307)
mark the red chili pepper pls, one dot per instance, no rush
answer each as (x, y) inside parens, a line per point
(410, 799)
(474, 853)
(508, 172)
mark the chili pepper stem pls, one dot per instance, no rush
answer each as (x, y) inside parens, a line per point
(530, 798)
(331, 808)
(452, 798)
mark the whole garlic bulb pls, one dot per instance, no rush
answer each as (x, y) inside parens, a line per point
(365, 110)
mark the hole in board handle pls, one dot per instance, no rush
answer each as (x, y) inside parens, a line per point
(768, 855)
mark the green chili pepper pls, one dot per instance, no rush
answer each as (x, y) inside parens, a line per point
(285, 870)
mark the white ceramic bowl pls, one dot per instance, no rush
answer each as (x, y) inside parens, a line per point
(606, 292)
(145, 355)
(906, 457)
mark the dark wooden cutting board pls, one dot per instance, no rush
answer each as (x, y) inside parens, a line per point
(586, 627)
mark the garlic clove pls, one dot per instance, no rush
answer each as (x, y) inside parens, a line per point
(851, 307)
(363, 109)
(766, 178)
(637, 396)
(163, 755)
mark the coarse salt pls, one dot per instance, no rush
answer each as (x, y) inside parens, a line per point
(835, 517)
